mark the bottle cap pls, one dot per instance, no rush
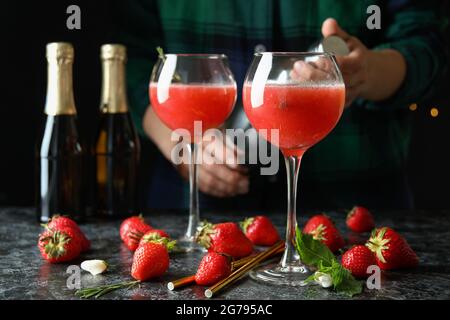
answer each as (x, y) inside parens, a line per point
(113, 51)
(57, 50)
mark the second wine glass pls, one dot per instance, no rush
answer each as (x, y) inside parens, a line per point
(192, 93)
(299, 97)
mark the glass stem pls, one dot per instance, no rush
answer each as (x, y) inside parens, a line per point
(290, 256)
(194, 215)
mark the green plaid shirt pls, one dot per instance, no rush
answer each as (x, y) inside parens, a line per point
(371, 139)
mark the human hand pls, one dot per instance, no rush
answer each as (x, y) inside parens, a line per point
(354, 66)
(219, 173)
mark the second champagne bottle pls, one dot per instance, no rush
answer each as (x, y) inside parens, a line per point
(117, 147)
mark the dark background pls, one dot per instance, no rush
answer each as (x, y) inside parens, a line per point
(27, 26)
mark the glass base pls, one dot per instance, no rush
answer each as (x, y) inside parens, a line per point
(186, 244)
(293, 275)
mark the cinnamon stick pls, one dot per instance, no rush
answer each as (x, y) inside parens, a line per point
(172, 285)
(240, 272)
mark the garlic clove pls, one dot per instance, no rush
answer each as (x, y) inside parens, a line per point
(94, 266)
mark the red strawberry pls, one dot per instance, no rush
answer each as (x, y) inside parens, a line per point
(323, 229)
(260, 231)
(59, 245)
(359, 219)
(391, 250)
(225, 238)
(131, 231)
(357, 259)
(57, 222)
(129, 223)
(153, 234)
(151, 259)
(213, 268)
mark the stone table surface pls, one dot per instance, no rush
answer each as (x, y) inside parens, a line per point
(24, 275)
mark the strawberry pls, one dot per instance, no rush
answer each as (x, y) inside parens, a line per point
(225, 238)
(131, 231)
(57, 222)
(357, 259)
(391, 250)
(323, 229)
(260, 231)
(153, 234)
(213, 268)
(59, 245)
(359, 219)
(151, 259)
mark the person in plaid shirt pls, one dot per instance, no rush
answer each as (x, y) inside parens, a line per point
(362, 160)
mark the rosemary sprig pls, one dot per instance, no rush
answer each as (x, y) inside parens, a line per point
(162, 56)
(97, 292)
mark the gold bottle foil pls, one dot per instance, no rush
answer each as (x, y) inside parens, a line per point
(114, 95)
(59, 100)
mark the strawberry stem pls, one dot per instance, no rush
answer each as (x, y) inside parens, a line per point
(246, 223)
(378, 244)
(203, 236)
(97, 292)
(54, 248)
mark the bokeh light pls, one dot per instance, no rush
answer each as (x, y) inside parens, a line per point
(434, 112)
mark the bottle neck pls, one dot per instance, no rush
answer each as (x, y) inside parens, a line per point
(114, 97)
(59, 100)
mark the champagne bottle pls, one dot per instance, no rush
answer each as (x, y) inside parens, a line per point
(59, 152)
(117, 149)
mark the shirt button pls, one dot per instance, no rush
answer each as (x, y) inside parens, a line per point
(260, 48)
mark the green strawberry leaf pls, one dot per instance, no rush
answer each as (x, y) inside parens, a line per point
(314, 253)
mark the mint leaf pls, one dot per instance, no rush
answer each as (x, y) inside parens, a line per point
(162, 56)
(337, 273)
(161, 53)
(314, 253)
(348, 285)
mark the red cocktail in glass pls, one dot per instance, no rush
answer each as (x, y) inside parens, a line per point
(180, 105)
(301, 95)
(185, 90)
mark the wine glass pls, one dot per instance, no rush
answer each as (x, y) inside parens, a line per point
(192, 93)
(301, 96)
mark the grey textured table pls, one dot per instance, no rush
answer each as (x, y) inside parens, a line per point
(24, 275)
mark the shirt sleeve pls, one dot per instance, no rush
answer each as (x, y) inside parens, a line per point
(415, 31)
(138, 77)
(139, 29)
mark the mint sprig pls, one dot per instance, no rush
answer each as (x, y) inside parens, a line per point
(162, 56)
(314, 253)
